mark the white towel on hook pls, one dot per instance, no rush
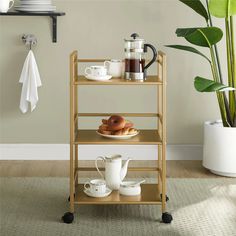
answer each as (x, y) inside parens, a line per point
(30, 79)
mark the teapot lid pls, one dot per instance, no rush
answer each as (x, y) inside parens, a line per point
(114, 157)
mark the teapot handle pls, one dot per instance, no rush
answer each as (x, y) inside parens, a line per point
(96, 164)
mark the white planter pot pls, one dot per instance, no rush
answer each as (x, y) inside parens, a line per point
(219, 151)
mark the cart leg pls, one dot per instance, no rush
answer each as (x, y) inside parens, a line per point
(166, 217)
(68, 217)
(159, 166)
(76, 162)
(76, 166)
(159, 173)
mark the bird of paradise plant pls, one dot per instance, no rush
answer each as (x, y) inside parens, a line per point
(208, 37)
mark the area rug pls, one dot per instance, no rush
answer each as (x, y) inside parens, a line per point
(200, 207)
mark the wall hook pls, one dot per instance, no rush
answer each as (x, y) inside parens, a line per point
(29, 39)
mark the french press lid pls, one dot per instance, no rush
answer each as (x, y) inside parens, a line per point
(135, 44)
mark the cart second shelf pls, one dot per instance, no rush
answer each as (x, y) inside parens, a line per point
(149, 195)
(145, 137)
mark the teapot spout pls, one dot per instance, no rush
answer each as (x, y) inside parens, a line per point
(124, 169)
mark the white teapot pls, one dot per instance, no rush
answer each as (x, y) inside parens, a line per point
(114, 172)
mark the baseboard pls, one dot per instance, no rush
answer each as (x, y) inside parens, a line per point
(90, 152)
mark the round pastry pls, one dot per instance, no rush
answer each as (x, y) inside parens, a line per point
(132, 131)
(105, 132)
(104, 121)
(103, 127)
(116, 123)
(128, 124)
(119, 132)
(125, 131)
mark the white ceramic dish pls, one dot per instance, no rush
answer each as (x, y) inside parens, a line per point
(98, 78)
(118, 136)
(35, 3)
(27, 3)
(130, 188)
(36, 9)
(90, 194)
(32, 1)
(35, 6)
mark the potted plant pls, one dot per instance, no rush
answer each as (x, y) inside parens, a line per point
(219, 152)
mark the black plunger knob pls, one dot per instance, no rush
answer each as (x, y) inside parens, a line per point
(134, 35)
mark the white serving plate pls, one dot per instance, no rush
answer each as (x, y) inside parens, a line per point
(98, 78)
(35, 3)
(35, 6)
(118, 136)
(90, 194)
(36, 9)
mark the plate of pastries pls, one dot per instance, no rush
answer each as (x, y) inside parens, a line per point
(117, 127)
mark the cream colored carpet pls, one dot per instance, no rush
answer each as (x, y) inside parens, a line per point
(34, 206)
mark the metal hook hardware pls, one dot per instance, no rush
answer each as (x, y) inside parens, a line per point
(29, 39)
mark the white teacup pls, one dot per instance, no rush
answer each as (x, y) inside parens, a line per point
(5, 5)
(96, 71)
(96, 186)
(115, 67)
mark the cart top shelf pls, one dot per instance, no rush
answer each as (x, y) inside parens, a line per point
(151, 80)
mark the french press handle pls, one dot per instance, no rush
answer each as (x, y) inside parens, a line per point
(154, 51)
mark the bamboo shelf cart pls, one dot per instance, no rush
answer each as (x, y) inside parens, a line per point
(151, 193)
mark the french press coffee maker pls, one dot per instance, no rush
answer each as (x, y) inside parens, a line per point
(135, 49)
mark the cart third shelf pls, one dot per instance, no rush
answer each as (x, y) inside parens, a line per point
(149, 195)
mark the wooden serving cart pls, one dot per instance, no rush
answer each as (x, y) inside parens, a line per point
(151, 193)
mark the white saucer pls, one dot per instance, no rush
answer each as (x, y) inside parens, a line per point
(98, 78)
(108, 192)
(128, 136)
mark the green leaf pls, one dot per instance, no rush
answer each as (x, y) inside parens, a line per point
(206, 85)
(205, 37)
(197, 6)
(189, 49)
(222, 8)
(183, 32)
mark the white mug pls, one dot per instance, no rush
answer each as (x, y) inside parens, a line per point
(115, 67)
(5, 5)
(96, 71)
(96, 186)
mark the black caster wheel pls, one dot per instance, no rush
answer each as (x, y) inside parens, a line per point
(69, 197)
(167, 198)
(68, 218)
(166, 218)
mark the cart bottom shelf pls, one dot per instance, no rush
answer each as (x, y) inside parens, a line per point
(149, 195)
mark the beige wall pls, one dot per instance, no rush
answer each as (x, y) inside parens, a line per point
(97, 29)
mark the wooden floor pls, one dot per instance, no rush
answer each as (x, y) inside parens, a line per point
(175, 169)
